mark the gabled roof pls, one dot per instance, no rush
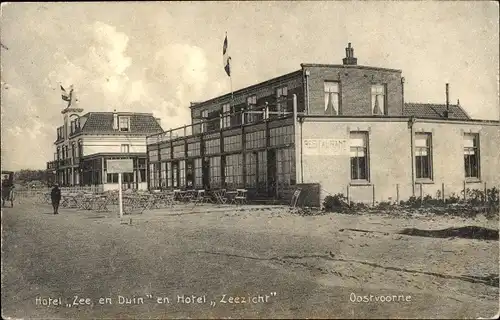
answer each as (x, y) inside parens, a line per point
(102, 122)
(432, 110)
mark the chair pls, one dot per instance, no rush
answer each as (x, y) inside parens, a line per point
(199, 197)
(241, 196)
(220, 196)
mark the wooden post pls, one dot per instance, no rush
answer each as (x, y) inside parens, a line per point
(373, 195)
(421, 194)
(442, 192)
(397, 194)
(465, 195)
(348, 196)
(485, 199)
(120, 200)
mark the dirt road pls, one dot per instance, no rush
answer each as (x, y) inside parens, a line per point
(237, 264)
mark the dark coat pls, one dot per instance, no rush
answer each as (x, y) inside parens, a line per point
(55, 194)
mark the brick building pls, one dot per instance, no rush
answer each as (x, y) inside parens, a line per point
(85, 141)
(345, 127)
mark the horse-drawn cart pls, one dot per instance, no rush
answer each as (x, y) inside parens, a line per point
(7, 187)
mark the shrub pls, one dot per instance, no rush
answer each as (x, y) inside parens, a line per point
(335, 203)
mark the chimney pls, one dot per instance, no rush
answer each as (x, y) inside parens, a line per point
(115, 120)
(349, 56)
(447, 112)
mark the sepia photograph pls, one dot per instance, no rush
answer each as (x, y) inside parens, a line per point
(250, 160)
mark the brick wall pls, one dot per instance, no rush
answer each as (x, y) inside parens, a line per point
(355, 88)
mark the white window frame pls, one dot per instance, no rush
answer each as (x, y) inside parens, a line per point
(474, 150)
(204, 118)
(281, 99)
(124, 123)
(332, 87)
(354, 152)
(422, 150)
(125, 148)
(226, 115)
(379, 92)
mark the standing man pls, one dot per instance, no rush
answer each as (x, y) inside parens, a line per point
(55, 196)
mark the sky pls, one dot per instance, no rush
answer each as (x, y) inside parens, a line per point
(159, 56)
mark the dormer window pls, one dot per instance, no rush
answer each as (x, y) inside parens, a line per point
(124, 124)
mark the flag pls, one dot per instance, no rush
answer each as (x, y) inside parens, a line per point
(64, 95)
(226, 57)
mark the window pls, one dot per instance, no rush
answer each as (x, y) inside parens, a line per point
(175, 174)
(212, 146)
(281, 136)
(251, 172)
(234, 171)
(423, 156)
(236, 115)
(179, 151)
(163, 175)
(153, 155)
(232, 143)
(182, 173)
(165, 153)
(215, 172)
(193, 149)
(153, 174)
(281, 99)
(251, 107)
(359, 155)
(285, 168)
(80, 148)
(125, 148)
(169, 174)
(332, 98)
(226, 117)
(471, 155)
(142, 170)
(204, 116)
(198, 173)
(254, 140)
(124, 123)
(214, 121)
(262, 170)
(112, 178)
(73, 153)
(378, 99)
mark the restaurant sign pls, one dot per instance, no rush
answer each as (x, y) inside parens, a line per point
(325, 147)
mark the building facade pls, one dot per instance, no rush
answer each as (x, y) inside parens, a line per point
(346, 127)
(86, 141)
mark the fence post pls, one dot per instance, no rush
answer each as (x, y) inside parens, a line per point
(348, 196)
(485, 194)
(397, 194)
(373, 194)
(442, 191)
(465, 195)
(421, 194)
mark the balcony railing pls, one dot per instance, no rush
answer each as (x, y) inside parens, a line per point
(228, 120)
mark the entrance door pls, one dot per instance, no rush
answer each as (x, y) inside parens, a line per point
(271, 173)
(206, 173)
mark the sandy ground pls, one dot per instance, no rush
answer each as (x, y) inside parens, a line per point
(315, 265)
